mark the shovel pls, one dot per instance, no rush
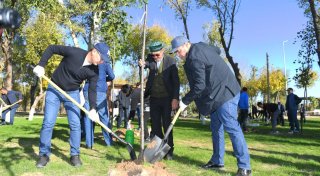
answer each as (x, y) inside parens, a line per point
(132, 153)
(158, 148)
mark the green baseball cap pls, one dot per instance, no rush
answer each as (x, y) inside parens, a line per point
(155, 46)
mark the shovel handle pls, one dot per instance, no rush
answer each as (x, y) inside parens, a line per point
(9, 106)
(129, 146)
(75, 102)
(172, 123)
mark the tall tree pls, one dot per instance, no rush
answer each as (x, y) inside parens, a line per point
(225, 11)
(277, 83)
(312, 9)
(181, 8)
(305, 78)
(133, 44)
(8, 37)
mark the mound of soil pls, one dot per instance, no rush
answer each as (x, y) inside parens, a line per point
(130, 168)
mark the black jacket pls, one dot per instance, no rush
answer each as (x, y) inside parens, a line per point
(211, 81)
(170, 76)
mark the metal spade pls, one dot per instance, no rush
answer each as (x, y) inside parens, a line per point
(158, 148)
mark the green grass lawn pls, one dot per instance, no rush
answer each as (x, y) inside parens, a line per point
(282, 154)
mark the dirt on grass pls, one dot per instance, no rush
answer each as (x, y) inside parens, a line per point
(130, 168)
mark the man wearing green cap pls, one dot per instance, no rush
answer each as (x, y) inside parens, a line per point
(163, 88)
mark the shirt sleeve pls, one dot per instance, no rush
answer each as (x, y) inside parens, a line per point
(198, 75)
(109, 73)
(54, 49)
(93, 76)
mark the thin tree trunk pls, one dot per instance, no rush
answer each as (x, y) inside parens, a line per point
(141, 158)
(316, 24)
(184, 20)
(7, 51)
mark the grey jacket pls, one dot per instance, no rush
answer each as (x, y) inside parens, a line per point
(211, 81)
(124, 100)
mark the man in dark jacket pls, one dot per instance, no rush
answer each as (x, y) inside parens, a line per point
(215, 91)
(292, 107)
(9, 98)
(76, 66)
(163, 87)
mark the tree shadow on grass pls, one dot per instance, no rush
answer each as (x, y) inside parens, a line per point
(189, 123)
(294, 155)
(23, 150)
(301, 165)
(191, 161)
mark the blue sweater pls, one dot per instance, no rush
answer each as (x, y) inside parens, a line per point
(105, 74)
(243, 101)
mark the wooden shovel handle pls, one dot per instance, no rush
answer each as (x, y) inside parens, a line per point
(75, 102)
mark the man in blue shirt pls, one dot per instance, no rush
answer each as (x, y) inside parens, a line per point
(10, 97)
(244, 108)
(105, 74)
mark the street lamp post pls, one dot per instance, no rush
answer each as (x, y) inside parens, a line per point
(284, 61)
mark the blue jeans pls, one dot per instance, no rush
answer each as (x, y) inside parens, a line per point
(53, 100)
(12, 113)
(102, 109)
(225, 118)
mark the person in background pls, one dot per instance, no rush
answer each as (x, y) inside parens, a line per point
(135, 100)
(76, 66)
(292, 107)
(124, 105)
(302, 112)
(163, 87)
(215, 90)
(105, 75)
(281, 113)
(13, 98)
(272, 110)
(244, 109)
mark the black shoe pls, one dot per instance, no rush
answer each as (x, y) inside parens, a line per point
(169, 157)
(211, 165)
(243, 172)
(75, 161)
(89, 147)
(43, 161)
(147, 140)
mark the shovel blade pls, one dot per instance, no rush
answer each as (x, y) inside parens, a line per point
(155, 150)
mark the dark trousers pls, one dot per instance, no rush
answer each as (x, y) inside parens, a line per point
(281, 119)
(12, 113)
(293, 120)
(274, 118)
(123, 112)
(302, 118)
(160, 112)
(146, 118)
(243, 116)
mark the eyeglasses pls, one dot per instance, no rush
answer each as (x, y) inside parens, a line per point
(155, 55)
